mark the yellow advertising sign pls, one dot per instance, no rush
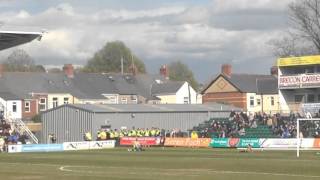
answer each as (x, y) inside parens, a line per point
(298, 61)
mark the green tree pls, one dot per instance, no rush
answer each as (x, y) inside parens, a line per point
(181, 72)
(20, 61)
(108, 59)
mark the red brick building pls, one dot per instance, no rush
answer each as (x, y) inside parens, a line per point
(251, 92)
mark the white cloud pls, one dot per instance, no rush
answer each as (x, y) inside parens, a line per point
(168, 33)
(220, 6)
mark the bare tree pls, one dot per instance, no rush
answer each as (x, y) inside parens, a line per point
(20, 61)
(303, 37)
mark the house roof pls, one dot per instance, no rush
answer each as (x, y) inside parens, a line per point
(250, 83)
(166, 88)
(136, 108)
(82, 85)
(8, 96)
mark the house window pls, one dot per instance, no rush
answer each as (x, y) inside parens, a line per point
(54, 102)
(186, 100)
(272, 101)
(66, 100)
(134, 99)
(42, 104)
(14, 107)
(124, 101)
(258, 102)
(27, 106)
(251, 101)
(310, 98)
(298, 98)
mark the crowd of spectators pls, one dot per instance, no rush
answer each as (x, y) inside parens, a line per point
(9, 136)
(108, 133)
(280, 126)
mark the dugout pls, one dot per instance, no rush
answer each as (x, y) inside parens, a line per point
(70, 122)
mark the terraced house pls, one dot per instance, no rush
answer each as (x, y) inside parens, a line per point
(40, 91)
(251, 92)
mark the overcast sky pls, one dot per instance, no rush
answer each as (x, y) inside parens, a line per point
(201, 33)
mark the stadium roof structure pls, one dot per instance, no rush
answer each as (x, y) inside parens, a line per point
(135, 108)
(10, 39)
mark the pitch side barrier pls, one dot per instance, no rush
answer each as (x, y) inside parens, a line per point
(66, 146)
(266, 143)
(160, 141)
(187, 142)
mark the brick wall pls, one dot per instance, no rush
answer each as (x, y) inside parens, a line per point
(33, 109)
(235, 98)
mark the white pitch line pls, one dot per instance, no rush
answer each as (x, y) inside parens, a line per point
(64, 168)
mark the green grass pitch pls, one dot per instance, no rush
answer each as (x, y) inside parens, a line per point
(164, 164)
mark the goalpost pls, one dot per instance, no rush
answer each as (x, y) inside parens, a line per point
(298, 130)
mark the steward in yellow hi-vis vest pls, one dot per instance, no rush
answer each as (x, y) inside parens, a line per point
(88, 136)
(194, 135)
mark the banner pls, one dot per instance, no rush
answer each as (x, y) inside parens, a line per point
(102, 144)
(303, 80)
(128, 141)
(264, 143)
(69, 146)
(236, 142)
(298, 61)
(187, 142)
(86, 145)
(35, 148)
(288, 143)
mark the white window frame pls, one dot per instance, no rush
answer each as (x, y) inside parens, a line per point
(272, 101)
(186, 100)
(14, 107)
(27, 107)
(44, 104)
(258, 102)
(251, 99)
(124, 100)
(54, 102)
(66, 100)
(134, 99)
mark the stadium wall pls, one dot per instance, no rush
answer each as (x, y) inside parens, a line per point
(69, 123)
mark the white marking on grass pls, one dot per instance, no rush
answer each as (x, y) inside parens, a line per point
(179, 172)
(64, 168)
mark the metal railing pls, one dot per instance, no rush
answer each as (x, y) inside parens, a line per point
(18, 125)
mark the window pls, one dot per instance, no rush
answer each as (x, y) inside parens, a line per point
(251, 101)
(66, 100)
(258, 102)
(186, 100)
(14, 107)
(27, 106)
(42, 104)
(272, 101)
(298, 98)
(123, 100)
(54, 102)
(310, 98)
(134, 99)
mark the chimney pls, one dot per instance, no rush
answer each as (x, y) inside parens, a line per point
(226, 69)
(164, 71)
(1, 70)
(68, 70)
(274, 71)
